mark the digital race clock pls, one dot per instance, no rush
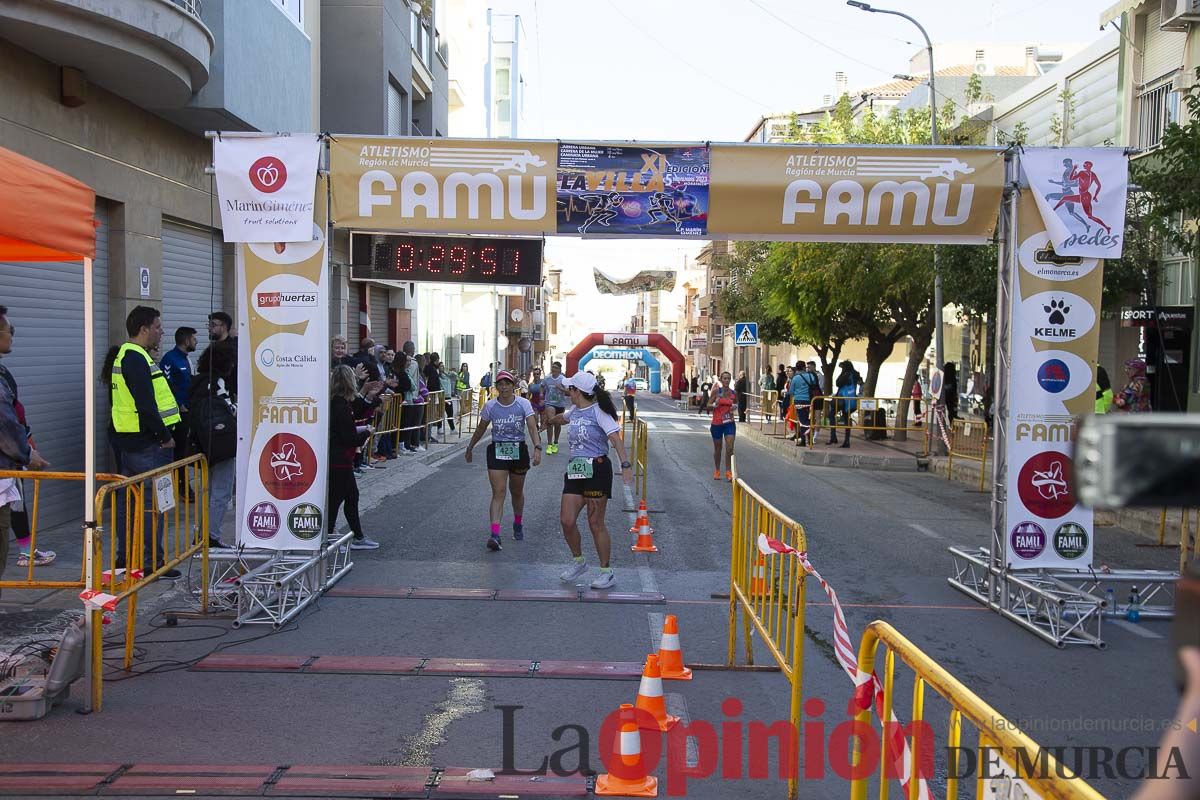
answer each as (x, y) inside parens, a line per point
(446, 259)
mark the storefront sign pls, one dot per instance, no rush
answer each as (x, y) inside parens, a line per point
(283, 381)
(1080, 194)
(265, 186)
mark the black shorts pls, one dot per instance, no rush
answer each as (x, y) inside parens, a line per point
(518, 467)
(559, 409)
(596, 487)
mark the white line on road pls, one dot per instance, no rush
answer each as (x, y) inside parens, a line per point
(651, 425)
(1138, 629)
(677, 707)
(679, 426)
(924, 530)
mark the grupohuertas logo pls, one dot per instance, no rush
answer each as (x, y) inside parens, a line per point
(268, 174)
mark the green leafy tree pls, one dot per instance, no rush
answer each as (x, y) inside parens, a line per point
(1171, 179)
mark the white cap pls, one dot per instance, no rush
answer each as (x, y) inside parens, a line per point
(583, 381)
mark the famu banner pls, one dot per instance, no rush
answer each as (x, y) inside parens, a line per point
(1055, 340)
(1081, 196)
(855, 194)
(283, 385)
(265, 186)
(736, 191)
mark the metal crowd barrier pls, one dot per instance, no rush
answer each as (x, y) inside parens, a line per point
(33, 506)
(1010, 779)
(388, 415)
(969, 440)
(854, 410)
(639, 455)
(182, 527)
(769, 592)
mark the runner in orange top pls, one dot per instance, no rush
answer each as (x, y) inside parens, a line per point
(723, 425)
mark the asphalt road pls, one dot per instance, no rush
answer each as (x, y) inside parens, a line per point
(880, 540)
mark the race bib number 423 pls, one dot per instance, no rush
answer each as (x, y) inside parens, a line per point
(508, 451)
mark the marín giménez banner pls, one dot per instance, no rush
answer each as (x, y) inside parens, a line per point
(265, 186)
(1081, 196)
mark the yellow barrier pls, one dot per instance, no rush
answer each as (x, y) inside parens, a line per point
(1050, 779)
(969, 440)
(769, 592)
(182, 529)
(854, 410)
(640, 457)
(32, 505)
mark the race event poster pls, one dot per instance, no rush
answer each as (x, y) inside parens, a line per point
(1055, 341)
(620, 190)
(283, 383)
(1080, 193)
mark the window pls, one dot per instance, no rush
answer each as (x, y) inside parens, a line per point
(1177, 283)
(466, 344)
(503, 85)
(294, 9)
(396, 102)
(1157, 108)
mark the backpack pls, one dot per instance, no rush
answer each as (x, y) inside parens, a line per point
(849, 390)
(213, 422)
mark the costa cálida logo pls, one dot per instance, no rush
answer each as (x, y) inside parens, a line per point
(268, 174)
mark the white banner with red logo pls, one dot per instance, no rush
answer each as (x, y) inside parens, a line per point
(283, 391)
(1080, 193)
(1055, 340)
(265, 186)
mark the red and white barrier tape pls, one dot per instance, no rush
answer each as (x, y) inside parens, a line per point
(867, 686)
(942, 422)
(98, 601)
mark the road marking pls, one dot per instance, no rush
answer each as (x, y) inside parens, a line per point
(1138, 629)
(651, 425)
(924, 530)
(679, 426)
(677, 707)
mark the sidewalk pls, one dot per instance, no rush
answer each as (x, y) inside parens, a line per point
(885, 455)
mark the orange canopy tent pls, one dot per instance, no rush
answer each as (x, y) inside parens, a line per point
(48, 216)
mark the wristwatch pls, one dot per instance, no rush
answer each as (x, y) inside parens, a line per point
(625, 465)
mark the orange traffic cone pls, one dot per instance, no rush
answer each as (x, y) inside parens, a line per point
(670, 654)
(645, 539)
(643, 519)
(758, 578)
(650, 695)
(627, 750)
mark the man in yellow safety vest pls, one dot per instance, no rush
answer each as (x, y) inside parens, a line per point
(144, 411)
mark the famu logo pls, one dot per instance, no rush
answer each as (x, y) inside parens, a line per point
(1046, 428)
(304, 521)
(287, 410)
(285, 299)
(1070, 540)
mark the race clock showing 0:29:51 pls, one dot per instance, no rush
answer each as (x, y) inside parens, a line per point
(446, 259)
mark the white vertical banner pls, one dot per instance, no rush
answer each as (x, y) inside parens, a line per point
(1055, 339)
(266, 185)
(283, 391)
(1080, 194)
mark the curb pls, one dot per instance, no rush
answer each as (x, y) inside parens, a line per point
(832, 457)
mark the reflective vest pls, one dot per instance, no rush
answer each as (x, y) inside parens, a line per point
(124, 410)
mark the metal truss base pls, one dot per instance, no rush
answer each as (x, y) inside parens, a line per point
(269, 587)
(1037, 600)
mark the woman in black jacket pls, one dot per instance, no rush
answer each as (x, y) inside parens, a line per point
(345, 437)
(950, 390)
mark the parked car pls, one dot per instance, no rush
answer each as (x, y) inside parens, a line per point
(641, 384)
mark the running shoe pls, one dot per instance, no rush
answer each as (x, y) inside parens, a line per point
(493, 542)
(716, 474)
(571, 573)
(729, 476)
(40, 558)
(365, 543)
(518, 531)
(552, 449)
(605, 580)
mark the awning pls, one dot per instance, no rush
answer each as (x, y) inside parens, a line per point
(1115, 11)
(44, 214)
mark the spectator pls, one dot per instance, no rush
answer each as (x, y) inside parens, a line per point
(695, 383)
(804, 387)
(411, 413)
(917, 393)
(220, 327)
(346, 435)
(1104, 391)
(705, 388)
(741, 391)
(782, 379)
(949, 398)
(433, 372)
(849, 384)
(12, 509)
(422, 403)
(450, 392)
(177, 369)
(464, 378)
(213, 425)
(366, 357)
(143, 412)
(1135, 397)
(630, 387)
(766, 383)
(485, 382)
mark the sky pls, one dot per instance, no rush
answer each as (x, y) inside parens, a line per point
(669, 70)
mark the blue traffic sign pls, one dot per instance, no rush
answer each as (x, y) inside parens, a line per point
(745, 334)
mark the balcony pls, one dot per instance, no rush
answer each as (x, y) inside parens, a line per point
(155, 53)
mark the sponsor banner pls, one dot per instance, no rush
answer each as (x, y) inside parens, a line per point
(1080, 194)
(1055, 339)
(626, 339)
(607, 189)
(848, 194)
(443, 185)
(612, 354)
(266, 185)
(699, 342)
(648, 280)
(283, 380)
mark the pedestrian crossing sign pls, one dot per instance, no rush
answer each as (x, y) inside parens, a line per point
(745, 334)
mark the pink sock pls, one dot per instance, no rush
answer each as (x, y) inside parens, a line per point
(516, 520)
(495, 529)
(23, 544)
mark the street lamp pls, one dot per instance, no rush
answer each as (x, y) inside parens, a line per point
(937, 273)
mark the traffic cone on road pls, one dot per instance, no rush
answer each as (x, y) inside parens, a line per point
(627, 751)
(670, 654)
(650, 695)
(645, 539)
(643, 519)
(758, 578)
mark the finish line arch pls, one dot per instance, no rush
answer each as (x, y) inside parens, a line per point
(653, 365)
(633, 341)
